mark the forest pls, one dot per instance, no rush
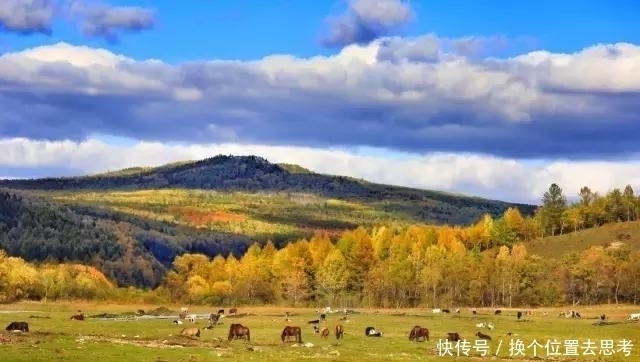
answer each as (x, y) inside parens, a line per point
(486, 263)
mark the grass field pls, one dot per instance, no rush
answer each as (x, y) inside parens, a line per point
(621, 233)
(54, 337)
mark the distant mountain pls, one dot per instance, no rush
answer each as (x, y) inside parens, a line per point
(255, 174)
(132, 223)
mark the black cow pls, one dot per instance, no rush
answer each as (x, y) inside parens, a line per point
(483, 336)
(18, 326)
(323, 317)
(498, 311)
(519, 315)
(315, 321)
(446, 311)
(220, 311)
(371, 332)
(453, 336)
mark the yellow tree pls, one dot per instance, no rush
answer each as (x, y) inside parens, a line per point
(514, 221)
(432, 272)
(332, 275)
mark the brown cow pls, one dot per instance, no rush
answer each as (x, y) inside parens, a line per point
(418, 333)
(237, 330)
(18, 326)
(291, 332)
(324, 333)
(339, 331)
(191, 332)
(77, 317)
(453, 336)
(233, 311)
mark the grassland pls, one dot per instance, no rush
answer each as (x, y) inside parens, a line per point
(614, 234)
(54, 337)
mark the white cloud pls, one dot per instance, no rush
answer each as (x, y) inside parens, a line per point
(413, 95)
(475, 175)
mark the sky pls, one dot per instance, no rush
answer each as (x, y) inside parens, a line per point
(495, 99)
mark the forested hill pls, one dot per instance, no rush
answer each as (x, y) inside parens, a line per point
(255, 174)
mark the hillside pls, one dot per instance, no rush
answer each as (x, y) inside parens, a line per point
(132, 223)
(614, 235)
(254, 174)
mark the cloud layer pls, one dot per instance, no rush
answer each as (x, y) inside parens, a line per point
(95, 19)
(365, 21)
(486, 176)
(412, 95)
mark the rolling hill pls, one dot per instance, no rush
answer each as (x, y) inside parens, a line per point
(132, 223)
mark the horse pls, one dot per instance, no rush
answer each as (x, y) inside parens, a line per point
(339, 331)
(418, 332)
(237, 330)
(291, 332)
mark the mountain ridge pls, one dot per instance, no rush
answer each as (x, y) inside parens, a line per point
(264, 174)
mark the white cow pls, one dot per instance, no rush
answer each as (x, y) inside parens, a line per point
(481, 325)
(192, 318)
(436, 310)
(634, 317)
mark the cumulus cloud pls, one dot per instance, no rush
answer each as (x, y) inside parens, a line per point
(412, 95)
(106, 21)
(95, 19)
(27, 16)
(365, 21)
(487, 176)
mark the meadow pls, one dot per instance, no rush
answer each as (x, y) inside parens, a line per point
(54, 336)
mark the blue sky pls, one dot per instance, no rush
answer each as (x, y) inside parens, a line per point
(492, 98)
(250, 29)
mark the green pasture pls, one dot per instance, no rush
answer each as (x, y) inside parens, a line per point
(54, 336)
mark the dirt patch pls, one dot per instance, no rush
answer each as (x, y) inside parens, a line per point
(175, 342)
(200, 218)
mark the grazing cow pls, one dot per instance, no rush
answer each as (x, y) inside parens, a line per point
(77, 317)
(220, 311)
(191, 332)
(233, 311)
(634, 317)
(177, 321)
(339, 331)
(519, 315)
(237, 330)
(323, 317)
(324, 333)
(446, 311)
(192, 318)
(453, 336)
(483, 336)
(315, 321)
(481, 325)
(18, 326)
(291, 332)
(436, 310)
(371, 332)
(418, 333)
(498, 312)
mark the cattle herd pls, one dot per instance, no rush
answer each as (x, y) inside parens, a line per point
(290, 332)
